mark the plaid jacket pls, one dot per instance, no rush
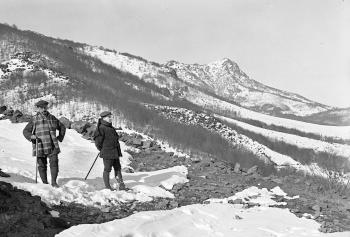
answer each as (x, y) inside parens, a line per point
(44, 126)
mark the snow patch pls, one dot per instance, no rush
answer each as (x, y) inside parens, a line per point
(213, 219)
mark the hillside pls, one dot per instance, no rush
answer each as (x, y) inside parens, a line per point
(80, 81)
(162, 186)
(196, 139)
(336, 116)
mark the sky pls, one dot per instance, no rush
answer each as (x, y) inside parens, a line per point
(300, 46)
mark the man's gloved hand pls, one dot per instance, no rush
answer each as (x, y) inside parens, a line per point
(33, 137)
(60, 138)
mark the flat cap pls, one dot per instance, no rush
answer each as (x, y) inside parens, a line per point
(41, 103)
(105, 113)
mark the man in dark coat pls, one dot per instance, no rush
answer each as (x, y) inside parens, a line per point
(107, 142)
(41, 131)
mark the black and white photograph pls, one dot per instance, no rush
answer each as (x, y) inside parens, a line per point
(175, 118)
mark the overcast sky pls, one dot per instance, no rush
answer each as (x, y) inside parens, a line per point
(300, 46)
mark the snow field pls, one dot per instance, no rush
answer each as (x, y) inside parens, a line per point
(302, 142)
(75, 160)
(216, 219)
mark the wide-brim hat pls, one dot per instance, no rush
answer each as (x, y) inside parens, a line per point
(41, 104)
(105, 114)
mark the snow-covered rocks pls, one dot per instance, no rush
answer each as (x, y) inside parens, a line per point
(214, 219)
(255, 196)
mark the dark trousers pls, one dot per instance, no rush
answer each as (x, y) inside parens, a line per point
(42, 167)
(109, 163)
(42, 162)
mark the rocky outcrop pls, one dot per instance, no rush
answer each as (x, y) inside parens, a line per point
(3, 109)
(22, 214)
(66, 122)
(15, 116)
(80, 126)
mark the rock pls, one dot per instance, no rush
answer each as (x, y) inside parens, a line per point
(24, 118)
(316, 208)
(195, 159)
(8, 112)
(137, 142)
(317, 214)
(80, 126)
(66, 122)
(237, 168)
(90, 131)
(277, 180)
(17, 114)
(106, 209)
(237, 217)
(253, 170)
(128, 170)
(3, 174)
(2, 109)
(236, 201)
(162, 204)
(26, 215)
(173, 204)
(147, 144)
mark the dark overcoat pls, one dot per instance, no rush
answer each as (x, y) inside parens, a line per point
(107, 140)
(44, 126)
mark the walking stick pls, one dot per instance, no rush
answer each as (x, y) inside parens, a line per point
(36, 160)
(92, 166)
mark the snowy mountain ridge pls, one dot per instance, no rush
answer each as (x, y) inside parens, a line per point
(223, 78)
(226, 79)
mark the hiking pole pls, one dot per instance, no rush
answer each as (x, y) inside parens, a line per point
(36, 160)
(92, 166)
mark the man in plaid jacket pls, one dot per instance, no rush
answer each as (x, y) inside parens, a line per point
(41, 131)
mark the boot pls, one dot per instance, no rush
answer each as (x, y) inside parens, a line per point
(54, 174)
(106, 180)
(43, 175)
(120, 181)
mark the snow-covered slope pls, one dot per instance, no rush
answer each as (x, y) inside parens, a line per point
(336, 116)
(21, 78)
(190, 117)
(216, 219)
(150, 72)
(223, 78)
(226, 79)
(302, 142)
(75, 160)
(215, 104)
